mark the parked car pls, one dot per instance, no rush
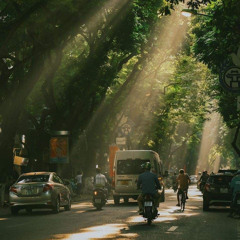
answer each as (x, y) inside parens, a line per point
(217, 190)
(193, 179)
(39, 190)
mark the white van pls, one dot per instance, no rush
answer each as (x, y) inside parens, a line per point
(127, 168)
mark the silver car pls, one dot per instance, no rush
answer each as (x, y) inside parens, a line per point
(39, 190)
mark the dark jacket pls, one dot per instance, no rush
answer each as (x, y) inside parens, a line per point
(148, 182)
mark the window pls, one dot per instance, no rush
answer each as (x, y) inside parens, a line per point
(222, 180)
(130, 166)
(33, 178)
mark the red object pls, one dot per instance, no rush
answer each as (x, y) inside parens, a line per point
(47, 187)
(13, 189)
(113, 179)
(112, 152)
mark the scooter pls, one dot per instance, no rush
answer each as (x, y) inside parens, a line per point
(149, 210)
(99, 198)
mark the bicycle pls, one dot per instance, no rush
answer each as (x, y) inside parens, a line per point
(182, 196)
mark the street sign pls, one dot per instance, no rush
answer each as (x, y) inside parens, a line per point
(126, 129)
(230, 78)
(121, 141)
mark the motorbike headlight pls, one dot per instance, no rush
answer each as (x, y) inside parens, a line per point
(95, 193)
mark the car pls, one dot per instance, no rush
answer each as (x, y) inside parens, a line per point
(217, 190)
(193, 179)
(39, 190)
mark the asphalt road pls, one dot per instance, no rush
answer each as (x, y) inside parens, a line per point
(83, 222)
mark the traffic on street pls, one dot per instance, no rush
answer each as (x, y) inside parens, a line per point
(84, 222)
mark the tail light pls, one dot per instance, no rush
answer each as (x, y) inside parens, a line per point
(13, 189)
(148, 197)
(207, 187)
(113, 180)
(47, 187)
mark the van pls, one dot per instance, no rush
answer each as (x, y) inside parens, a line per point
(127, 168)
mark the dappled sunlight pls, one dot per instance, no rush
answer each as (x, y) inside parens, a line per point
(3, 219)
(209, 139)
(97, 232)
(171, 213)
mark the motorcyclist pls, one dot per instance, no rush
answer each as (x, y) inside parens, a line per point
(100, 181)
(235, 187)
(183, 183)
(149, 184)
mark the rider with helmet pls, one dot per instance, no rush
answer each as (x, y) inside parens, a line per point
(183, 183)
(149, 184)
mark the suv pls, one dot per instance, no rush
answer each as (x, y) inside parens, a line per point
(217, 190)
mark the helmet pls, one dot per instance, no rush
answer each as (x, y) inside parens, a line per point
(146, 165)
(181, 171)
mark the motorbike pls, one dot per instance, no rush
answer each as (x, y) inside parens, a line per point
(149, 210)
(99, 198)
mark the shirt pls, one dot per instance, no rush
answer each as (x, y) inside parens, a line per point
(183, 181)
(79, 178)
(149, 182)
(235, 184)
(100, 180)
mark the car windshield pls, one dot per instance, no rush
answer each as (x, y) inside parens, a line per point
(220, 179)
(130, 166)
(33, 178)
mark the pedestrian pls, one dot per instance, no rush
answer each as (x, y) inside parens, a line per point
(78, 179)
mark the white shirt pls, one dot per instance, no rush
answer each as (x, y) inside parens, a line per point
(79, 178)
(100, 180)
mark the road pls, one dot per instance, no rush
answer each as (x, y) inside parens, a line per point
(122, 222)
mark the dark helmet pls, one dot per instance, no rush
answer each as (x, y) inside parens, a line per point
(98, 170)
(146, 165)
(181, 171)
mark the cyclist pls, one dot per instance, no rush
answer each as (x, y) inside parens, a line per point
(183, 183)
(149, 184)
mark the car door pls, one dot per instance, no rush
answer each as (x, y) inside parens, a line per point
(64, 190)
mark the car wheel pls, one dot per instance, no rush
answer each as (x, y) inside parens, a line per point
(14, 210)
(116, 200)
(205, 205)
(56, 207)
(68, 206)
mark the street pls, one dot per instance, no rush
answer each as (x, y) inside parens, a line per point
(83, 222)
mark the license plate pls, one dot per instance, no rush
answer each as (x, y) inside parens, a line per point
(223, 190)
(98, 200)
(124, 182)
(148, 204)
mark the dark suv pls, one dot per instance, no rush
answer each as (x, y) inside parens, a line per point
(217, 190)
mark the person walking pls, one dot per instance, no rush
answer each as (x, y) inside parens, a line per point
(78, 179)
